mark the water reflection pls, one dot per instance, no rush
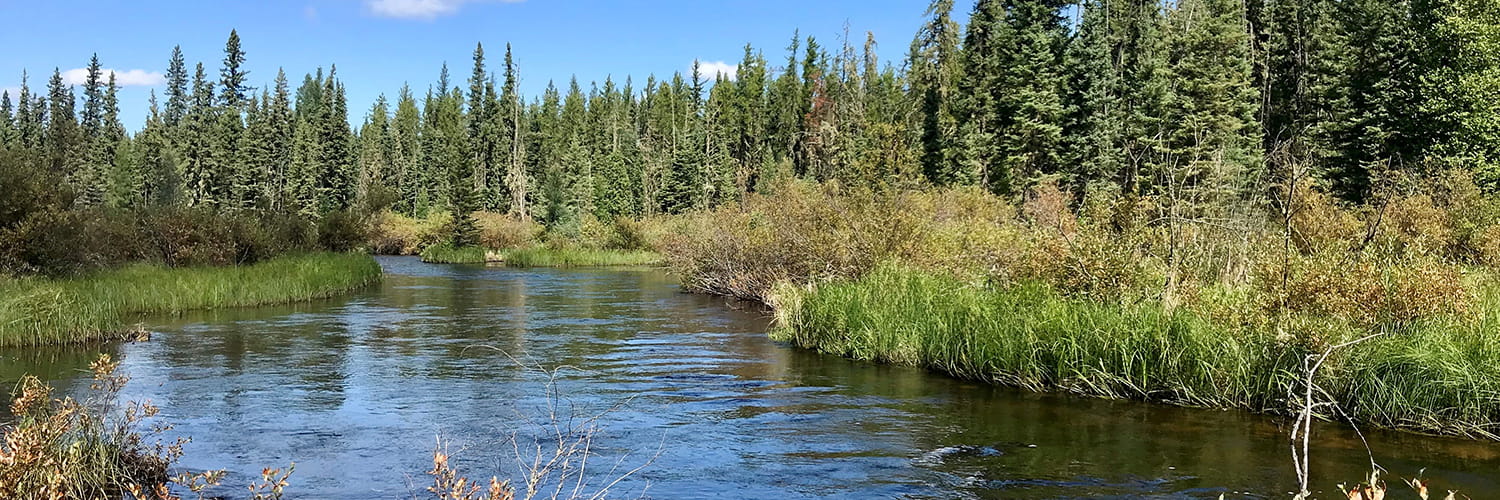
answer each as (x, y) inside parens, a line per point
(355, 389)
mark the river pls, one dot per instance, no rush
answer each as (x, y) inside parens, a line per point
(357, 389)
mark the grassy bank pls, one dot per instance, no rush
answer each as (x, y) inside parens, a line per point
(37, 311)
(1137, 297)
(577, 257)
(449, 254)
(1440, 375)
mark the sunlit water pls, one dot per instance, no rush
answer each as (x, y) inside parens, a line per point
(356, 390)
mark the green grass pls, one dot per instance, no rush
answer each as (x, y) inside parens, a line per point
(551, 257)
(449, 254)
(1442, 376)
(36, 311)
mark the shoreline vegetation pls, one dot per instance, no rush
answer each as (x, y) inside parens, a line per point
(1099, 300)
(102, 305)
(501, 239)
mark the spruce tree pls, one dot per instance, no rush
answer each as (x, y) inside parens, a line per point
(517, 182)
(8, 136)
(935, 66)
(62, 139)
(406, 153)
(177, 89)
(1213, 139)
(231, 76)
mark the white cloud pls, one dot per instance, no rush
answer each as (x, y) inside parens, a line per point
(710, 70)
(127, 78)
(418, 9)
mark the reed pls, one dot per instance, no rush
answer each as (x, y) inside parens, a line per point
(1438, 376)
(37, 311)
(445, 253)
(577, 257)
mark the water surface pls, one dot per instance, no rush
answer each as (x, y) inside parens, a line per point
(356, 389)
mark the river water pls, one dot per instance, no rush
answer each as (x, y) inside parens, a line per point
(356, 390)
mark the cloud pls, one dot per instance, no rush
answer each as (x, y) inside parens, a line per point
(712, 69)
(419, 9)
(127, 78)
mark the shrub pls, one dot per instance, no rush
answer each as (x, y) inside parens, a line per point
(397, 234)
(498, 231)
(342, 231)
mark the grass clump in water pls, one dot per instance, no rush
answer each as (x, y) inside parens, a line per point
(37, 311)
(445, 253)
(577, 257)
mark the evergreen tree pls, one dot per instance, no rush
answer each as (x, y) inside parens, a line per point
(1464, 87)
(517, 182)
(1213, 139)
(231, 76)
(375, 149)
(1015, 111)
(177, 89)
(8, 136)
(1372, 94)
(935, 63)
(198, 141)
(406, 153)
(337, 180)
(62, 139)
(161, 182)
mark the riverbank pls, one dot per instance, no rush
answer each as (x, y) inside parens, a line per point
(1438, 376)
(102, 305)
(1128, 298)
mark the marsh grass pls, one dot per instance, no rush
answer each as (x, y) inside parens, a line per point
(577, 257)
(1440, 375)
(36, 311)
(448, 254)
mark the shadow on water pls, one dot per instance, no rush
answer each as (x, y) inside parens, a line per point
(355, 389)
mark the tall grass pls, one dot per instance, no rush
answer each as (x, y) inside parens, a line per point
(1441, 376)
(35, 311)
(445, 253)
(577, 257)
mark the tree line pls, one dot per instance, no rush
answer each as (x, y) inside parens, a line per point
(1222, 99)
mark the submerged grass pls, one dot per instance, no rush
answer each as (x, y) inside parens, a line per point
(448, 254)
(572, 257)
(38, 311)
(1439, 376)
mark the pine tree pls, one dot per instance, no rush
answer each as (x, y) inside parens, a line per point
(1371, 90)
(231, 76)
(1213, 141)
(200, 159)
(406, 153)
(1014, 113)
(89, 176)
(177, 89)
(156, 159)
(337, 180)
(375, 148)
(935, 63)
(62, 139)
(278, 156)
(126, 181)
(30, 119)
(517, 182)
(8, 136)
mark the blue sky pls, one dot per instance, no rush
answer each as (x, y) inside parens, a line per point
(379, 44)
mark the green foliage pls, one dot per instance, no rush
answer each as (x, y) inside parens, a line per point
(577, 257)
(447, 253)
(1030, 336)
(35, 311)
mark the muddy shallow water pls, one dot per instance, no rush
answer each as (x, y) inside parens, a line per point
(356, 389)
